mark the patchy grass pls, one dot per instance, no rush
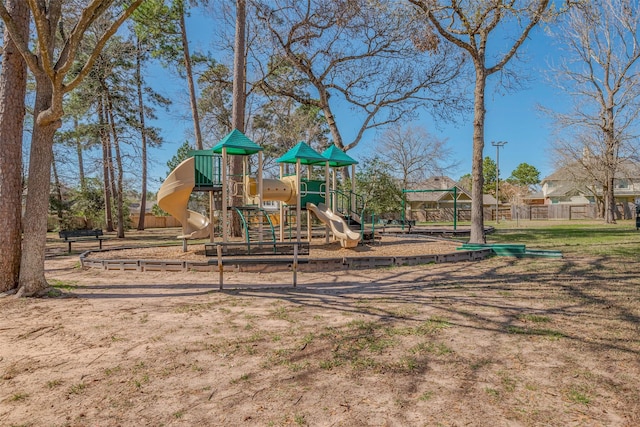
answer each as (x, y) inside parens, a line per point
(62, 285)
(578, 395)
(591, 238)
(535, 331)
(534, 318)
(18, 397)
(504, 341)
(77, 388)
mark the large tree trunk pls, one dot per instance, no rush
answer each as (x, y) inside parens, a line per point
(477, 211)
(13, 81)
(237, 116)
(117, 187)
(192, 87)
(336, 136)
(609, 200)
(32, 280)
(143, 138)
(106, 160)
(611, 158)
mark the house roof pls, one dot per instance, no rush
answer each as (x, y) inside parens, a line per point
(435, 189)
(565, 190)
(576, 173)
(438, 183)
(488, 200)
(534, 196)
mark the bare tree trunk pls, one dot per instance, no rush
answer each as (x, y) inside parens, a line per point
(611, 159)
(13, 81)
(239, 64)
(79, 151)
(58, 190)
(479, 111)
(192, 88)
(32, 280)
(49, 74)
(117, 188)
(609, 200)
(106, 161)
(237, 117)
(143, 138)
(336, 136)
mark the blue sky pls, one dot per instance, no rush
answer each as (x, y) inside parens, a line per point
(511, 116)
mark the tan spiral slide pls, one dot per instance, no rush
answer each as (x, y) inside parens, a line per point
(173, 198)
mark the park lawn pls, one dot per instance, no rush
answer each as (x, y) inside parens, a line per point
(592, 238)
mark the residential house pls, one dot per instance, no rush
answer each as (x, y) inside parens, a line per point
(434, 200)
(572, 185)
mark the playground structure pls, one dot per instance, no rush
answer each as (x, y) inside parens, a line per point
(206, 171)
(173, 198)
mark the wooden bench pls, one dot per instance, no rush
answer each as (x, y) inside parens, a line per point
(258, 249)
(71, 236)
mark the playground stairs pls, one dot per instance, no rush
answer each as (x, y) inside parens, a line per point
(512, 250)
(257, 224)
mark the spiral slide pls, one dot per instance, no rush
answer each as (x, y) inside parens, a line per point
(173, 198)
(348, 238)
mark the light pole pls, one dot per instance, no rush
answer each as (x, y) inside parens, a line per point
(498, 144)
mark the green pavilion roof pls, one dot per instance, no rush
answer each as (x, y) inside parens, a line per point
(304, 153)
(237, 144)
(337, 157)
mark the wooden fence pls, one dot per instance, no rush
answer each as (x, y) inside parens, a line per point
(152, 221)
(524, 212)
(566, 211)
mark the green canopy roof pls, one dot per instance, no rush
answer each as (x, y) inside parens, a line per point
(238, 144)
(304, 153)
(337, 157)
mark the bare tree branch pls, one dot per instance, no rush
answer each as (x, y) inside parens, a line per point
(600, 72)
(357, 52)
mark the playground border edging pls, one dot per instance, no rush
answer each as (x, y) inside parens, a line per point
(309, 265)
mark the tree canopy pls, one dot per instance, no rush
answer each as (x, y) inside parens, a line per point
(525, 175)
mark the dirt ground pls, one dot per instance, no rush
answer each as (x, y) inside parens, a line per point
(501, 342)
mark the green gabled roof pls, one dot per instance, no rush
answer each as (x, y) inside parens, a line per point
(304, 153)
(237, 144)
(337, 157)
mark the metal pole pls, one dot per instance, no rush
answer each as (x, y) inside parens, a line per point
(455, 208)
(404, 207)
(498, 144)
